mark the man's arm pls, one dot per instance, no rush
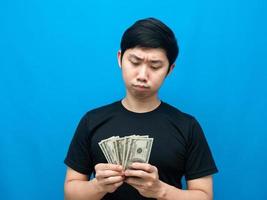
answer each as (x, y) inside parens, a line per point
(78, 187)
(144, 177)
(197, 189)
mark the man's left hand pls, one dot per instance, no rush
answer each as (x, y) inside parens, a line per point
(144, 177)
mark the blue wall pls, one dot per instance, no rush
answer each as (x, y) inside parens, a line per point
(58, 60)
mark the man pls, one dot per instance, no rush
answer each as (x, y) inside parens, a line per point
(147, 55)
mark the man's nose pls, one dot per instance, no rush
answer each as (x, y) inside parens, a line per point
(142, 73)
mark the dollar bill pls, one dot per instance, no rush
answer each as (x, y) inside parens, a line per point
(126, 150)
(102, 147)
(140, 151)
(111, 149)
(120, 147)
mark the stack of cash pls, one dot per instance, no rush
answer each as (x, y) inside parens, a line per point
(126, 150)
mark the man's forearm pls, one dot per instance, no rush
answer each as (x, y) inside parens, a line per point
(82, 190)
(171, 193)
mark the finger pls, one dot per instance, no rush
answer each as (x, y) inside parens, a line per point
(112, 187)
(137, 187)
(118, 184)
(108, 166)
(136, 173)
(112, 180)
(136, 182)
(107, 173)
(143, 166)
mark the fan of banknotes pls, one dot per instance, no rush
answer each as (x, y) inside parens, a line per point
(126, 150)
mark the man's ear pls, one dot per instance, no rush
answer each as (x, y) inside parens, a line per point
(119, 58)
(170, 70)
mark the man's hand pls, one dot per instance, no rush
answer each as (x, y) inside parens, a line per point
(108, 177)
(144, 177)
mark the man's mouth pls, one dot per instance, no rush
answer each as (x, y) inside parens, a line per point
(140, 86)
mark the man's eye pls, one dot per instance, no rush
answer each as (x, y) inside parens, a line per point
(135, 63)
(155, 67)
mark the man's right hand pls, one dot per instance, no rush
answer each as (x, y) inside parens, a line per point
(108, 177)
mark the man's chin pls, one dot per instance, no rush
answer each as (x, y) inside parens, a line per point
(142, 94)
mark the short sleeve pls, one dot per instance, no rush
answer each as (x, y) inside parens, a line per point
(78, 156)
(199, 160)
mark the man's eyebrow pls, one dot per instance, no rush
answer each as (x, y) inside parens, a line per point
(135, 57)
(156, 61)
(153, 61)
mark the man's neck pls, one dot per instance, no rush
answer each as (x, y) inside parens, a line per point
(140, 105)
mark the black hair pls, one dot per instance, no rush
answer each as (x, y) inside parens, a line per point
(150, 33)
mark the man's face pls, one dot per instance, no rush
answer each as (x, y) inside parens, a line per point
(143, 70)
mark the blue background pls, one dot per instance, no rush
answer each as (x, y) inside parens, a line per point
(58, 60)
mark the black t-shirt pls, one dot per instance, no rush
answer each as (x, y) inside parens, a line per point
(179, 146)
